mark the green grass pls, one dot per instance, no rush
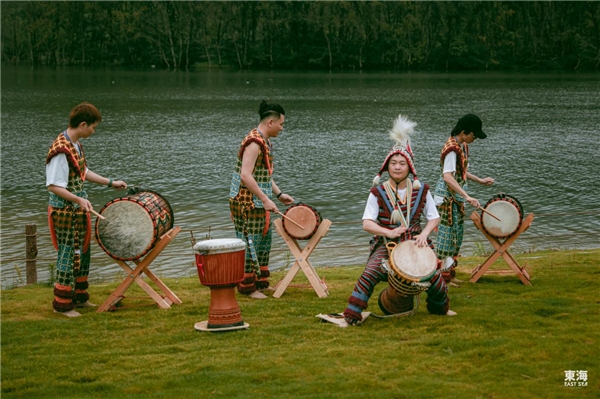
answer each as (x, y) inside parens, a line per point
(508, 341)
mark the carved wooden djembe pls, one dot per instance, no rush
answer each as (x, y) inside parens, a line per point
(220, 264)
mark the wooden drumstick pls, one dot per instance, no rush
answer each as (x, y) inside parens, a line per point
(291, 220)
(489, 213)
(97, 214)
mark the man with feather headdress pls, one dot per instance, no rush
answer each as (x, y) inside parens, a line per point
(393, 213)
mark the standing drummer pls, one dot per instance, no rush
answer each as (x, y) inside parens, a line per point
(250, 203)
(69, 209)
(450, 193)
(393, 213)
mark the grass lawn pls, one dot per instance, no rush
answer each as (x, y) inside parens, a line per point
(507, 341)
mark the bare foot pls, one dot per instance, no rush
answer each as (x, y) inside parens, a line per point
(258, 295)
(69, 313)
(457, 281)
(86, 304)
(453, 284)
(451, 313)
(269, 288)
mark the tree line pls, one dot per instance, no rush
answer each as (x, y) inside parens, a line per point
(328, 35)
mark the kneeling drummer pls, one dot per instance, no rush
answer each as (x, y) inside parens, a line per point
(393, 212)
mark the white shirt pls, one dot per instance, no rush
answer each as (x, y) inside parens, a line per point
(57, 171)
(450, 162)
(372, 207)
(449, 166)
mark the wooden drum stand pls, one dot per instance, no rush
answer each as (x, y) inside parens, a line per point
(134, 275)
(302, 262)
(501, 249)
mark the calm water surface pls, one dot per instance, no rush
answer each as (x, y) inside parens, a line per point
(178, 133)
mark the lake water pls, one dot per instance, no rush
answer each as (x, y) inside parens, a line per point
(177, 134)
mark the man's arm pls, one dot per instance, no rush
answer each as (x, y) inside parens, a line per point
(103, 181)
(371, 226)
(455, 187)
(488, 181)
(284, 198)
(248, 161)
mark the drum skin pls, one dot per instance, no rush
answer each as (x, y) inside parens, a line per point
(220, 262)
(133, 224)
(510, 212)
(306, 216)
(410, 264)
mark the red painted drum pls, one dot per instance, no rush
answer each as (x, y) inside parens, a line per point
(220, 265)
(410, 267)
(220, 262)
(306, 216)
(133, 224)
(510, 212)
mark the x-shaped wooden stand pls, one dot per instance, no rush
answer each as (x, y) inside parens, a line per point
(134, 275)
(501, 249)
(302, 262)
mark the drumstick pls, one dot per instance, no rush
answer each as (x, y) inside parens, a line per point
(97, 214)
(489, 213)
(291, 220)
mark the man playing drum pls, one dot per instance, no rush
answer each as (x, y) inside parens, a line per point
(250, 203)
(68, 210)
(393, 213)
(450, 192)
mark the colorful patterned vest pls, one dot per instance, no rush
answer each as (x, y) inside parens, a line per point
(77, 169)
(419, 197)
(462, 164)
(263, 170)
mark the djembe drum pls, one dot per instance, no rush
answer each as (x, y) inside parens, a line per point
(220, 264)
(391, 302)
(409, 269)
(306, 216)
(133, 224)
(510, 212)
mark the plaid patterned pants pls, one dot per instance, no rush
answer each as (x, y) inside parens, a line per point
(70, 231)
(253, 225)
(450, 234)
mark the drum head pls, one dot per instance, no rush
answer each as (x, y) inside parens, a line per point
(220, 246)
(305, 216)
(127, 232)
(509, 215)
(413, 262)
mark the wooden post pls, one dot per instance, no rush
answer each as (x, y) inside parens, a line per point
(31, 252)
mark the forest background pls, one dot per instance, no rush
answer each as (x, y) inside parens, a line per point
(329, 35)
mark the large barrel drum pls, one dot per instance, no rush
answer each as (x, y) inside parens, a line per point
(133, 224)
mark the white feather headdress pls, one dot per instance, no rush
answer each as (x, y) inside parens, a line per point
(401, 131)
